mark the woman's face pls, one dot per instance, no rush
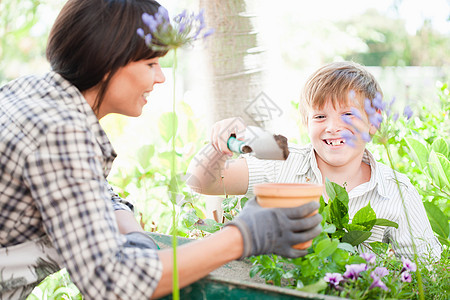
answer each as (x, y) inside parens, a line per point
(129, 87)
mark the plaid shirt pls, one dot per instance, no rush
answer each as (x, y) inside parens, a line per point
(55, 202)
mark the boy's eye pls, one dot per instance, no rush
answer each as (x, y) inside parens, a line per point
(348, 114)
(319, 117)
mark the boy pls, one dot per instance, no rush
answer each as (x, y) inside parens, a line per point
(325, 102)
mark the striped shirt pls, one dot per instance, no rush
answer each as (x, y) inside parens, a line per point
(381, 190)
(56, 207)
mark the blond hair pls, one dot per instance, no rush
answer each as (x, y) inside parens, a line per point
(333, 82)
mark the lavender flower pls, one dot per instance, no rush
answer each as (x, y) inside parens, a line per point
(406, 277)
(377, 282)
(408, 265)
(378, 102)
(333, 278)
(347, 120)
(356, 112)
(407, 112)
(352, 271)
(165, 35)
(348, 137)
(369, 257)
(368, 107)
(381, 271)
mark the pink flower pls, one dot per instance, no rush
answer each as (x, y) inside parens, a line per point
(377, 282)
(352, 271)
(408, 265)
(406, 277)
(369, 257)
(333, 278)
(381, 271)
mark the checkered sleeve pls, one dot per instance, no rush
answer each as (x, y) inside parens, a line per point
(118, 202)
(64, 175)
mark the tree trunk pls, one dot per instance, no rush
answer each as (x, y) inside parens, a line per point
(234, 59)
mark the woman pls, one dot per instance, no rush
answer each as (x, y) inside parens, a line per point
(56, 207)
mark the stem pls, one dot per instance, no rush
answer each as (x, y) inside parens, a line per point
(175, 285)
(419, 276)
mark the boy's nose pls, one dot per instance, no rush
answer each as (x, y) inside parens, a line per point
(334, 125)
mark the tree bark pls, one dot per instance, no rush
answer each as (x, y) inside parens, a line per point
(234, 59)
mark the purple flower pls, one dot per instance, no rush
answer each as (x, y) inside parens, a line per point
(348, 137)
(377, 282)
(366, 137)
(209, 32)
(352, 94)
(352, 271)
(369, 257)
(347, 120)
(148, 39)
(395, 117)
(408, 112)
(408, 265)
(140, 32)
(356, 112)
(378, 102)
(333, 278)
(381, 271)
(406, 277)
(375, 119)
(368, 107)
(150, 21)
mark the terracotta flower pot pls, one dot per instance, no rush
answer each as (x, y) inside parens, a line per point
(288, 195)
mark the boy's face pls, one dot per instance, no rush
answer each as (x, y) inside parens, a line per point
(325, 128)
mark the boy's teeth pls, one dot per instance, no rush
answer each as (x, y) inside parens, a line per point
(146, 95)
(335, 142)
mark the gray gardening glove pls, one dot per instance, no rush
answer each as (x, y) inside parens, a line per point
(276, 230)
(140, 240)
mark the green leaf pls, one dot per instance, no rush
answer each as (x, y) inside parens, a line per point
(189, 219)
(329, 188)
(340, 256)
(208, 225)
(315, 287)
(338, 213)
(385, 222)
(329, 228)
(229, 203)
(379, 247)
(243, 201)
(347, 247)
(338, 234)
(438, 220)
(326, 247)
(144, 154)
(255, 270)
(335, 191)
(166, 125)
(365, 217)
(355, 227)
(440, 146)
(418, 152)
(356, 237)
(437, 162)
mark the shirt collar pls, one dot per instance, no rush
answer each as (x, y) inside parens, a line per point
(375, 173)
(73, 99)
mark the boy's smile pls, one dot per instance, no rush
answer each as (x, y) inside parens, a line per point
(326, 128)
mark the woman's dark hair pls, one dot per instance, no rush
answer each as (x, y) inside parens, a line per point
(92, 39)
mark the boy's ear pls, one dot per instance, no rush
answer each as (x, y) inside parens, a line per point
(372, 129)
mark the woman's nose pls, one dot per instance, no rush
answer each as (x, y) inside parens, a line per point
(159, 76)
